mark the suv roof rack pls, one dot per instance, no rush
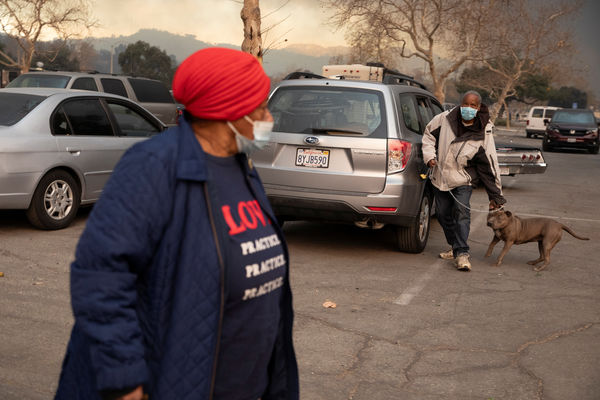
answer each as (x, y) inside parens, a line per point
(303, 75)
(372, 71)
(391, 76)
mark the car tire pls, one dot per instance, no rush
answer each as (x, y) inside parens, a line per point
(528, 134)
(280, 221)
(545, 145)
(55, 201)
(595, 149)
(413, 238)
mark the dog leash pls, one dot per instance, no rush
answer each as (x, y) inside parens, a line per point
(495, 210)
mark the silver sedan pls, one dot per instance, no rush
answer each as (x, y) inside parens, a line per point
(58, 148)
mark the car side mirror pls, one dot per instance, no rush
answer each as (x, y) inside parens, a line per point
(546, 121)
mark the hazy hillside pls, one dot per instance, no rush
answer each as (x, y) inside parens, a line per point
(277, 62)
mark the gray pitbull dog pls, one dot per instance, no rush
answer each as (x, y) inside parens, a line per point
(514, 230)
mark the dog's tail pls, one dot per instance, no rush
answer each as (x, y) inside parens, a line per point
(566, 228)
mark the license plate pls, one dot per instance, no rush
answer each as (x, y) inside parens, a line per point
(571, 140)
(314, 158)
(504, 171)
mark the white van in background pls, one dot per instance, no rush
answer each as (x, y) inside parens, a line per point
(535, 120)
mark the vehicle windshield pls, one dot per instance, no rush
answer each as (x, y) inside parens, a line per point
(333, 111)
(40, 80)
(582, 117)
(14, 106)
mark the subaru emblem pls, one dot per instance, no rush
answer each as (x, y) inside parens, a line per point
(572, 131)
(311, 140)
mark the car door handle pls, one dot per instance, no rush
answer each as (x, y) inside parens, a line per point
(74, 151)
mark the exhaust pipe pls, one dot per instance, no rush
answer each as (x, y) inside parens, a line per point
(369, 223)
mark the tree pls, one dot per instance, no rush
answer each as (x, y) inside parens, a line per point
(250, 15)
(533, 87)
(478, 78)
(56, 56)
(427, 29)
(26, 21)
(371, 43)
(566, 96)
(87, 55)
(141, 59)
(525, 39)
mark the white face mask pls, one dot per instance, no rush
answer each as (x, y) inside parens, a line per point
(262, 134)
(262, 129)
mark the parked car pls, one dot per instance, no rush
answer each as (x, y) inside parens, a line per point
(151, 94)
(58, 148)
(519, 159)
(449, 106)
(535, 125)
(350, 151)
(572, 128)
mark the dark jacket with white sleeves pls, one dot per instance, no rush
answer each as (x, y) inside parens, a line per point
(467, 159)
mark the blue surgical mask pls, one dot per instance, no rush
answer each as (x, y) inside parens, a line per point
(468, 113)
(262, 133)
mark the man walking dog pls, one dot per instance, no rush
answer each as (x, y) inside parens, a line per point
(459, 147)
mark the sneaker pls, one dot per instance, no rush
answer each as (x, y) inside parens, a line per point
(462, 262)
(447, 255)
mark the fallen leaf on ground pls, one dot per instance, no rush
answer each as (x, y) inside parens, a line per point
(329, 304)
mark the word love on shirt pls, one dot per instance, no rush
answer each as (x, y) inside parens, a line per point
(248, 216)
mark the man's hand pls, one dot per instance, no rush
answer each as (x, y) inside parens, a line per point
(432, 163)
(494, 205)
(137, 394)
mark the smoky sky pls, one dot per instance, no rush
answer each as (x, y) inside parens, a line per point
(587, 42)
(296, 22)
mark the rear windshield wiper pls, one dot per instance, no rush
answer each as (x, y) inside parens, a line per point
(333, 131)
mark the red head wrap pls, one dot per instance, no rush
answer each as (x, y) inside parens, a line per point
(220, 84)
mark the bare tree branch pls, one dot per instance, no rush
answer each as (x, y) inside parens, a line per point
(416, 28)
(25, 21)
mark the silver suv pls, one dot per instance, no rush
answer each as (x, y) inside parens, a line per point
(153, 95)
(350, 151)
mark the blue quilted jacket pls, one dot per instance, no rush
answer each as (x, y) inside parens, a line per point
(147, 281)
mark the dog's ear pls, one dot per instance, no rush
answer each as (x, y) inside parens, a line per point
(508, 213)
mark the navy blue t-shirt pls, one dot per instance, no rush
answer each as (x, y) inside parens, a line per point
(256, 269)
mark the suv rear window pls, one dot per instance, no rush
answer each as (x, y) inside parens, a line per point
(14, 106)
(333, 111)
(40, 80)
(537, 113)
(549, 113)
(148, 91)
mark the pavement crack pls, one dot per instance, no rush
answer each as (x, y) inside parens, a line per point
(552, 337)
(356, 362)
(547, 339)
(342, 329)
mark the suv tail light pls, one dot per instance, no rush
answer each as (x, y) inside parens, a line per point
(398, 155)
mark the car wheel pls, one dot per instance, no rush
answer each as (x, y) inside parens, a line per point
(528, 134)
(55, 201)
(280, 220)
(545, 145)
(412, 239)
(594, 150)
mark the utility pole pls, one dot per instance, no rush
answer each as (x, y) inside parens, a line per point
(252, 35)
(112, 51)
